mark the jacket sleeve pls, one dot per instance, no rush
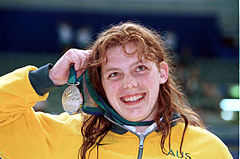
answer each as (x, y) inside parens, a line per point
(25, 133)
(17, 94)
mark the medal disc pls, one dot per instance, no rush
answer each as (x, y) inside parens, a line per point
(71, 99)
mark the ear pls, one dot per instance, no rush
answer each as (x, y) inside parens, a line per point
(163, 72)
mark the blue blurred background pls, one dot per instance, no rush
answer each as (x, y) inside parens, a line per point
(201, 34)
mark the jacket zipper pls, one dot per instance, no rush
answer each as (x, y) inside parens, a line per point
(140, 136)
(140, 149)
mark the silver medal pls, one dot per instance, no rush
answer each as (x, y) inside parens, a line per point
(71, 99)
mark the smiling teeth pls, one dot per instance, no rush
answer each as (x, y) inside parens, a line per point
(133, 99)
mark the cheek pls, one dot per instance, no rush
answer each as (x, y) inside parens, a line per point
(110, 88)
(153, 88)
(151, 80)
(152, 84)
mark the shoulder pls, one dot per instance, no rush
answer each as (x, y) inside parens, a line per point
(201, 141)
(63, 120)
(198, 135)
(203, 135)
(194, 132)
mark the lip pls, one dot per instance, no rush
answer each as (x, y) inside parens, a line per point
(133, 98)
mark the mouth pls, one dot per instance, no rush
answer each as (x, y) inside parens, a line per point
(133, 99)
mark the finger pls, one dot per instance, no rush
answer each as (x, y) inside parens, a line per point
(89, 51)
(83, 57)
(74, 57)
(85, 53)
(77, 61)
(79, 73)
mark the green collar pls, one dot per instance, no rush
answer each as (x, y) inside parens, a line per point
(119, 129)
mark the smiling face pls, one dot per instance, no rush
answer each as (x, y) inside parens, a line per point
(132, 86)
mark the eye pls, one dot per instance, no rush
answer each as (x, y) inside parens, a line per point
(114, 74)
(141, 68)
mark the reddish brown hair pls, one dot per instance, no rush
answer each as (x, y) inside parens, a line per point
(170, 98)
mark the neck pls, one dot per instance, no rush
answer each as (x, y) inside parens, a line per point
(141, 129)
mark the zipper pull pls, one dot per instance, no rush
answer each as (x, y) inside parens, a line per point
(141, 140)
(140, 149)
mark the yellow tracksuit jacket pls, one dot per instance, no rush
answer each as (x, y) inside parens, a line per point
(25, 134)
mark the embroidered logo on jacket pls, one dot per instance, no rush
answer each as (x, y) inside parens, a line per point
(177, 154)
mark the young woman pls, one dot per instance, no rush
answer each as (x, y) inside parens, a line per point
(144, 114)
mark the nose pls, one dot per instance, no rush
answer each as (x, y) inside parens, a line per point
(129, 82)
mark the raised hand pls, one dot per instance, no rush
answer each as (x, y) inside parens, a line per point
(60, 71)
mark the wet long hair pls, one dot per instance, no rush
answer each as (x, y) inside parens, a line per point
(170, 98)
